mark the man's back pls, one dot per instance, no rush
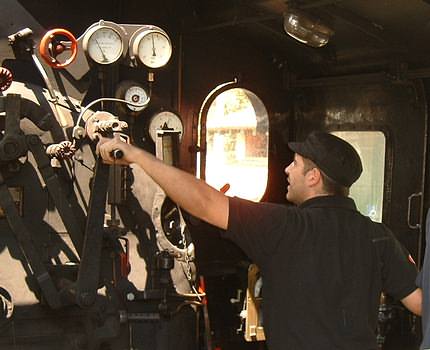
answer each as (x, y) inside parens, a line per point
(324, 266)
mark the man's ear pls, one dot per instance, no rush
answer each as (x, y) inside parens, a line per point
(313, 177)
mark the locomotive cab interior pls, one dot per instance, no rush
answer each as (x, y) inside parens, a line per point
(94, 256)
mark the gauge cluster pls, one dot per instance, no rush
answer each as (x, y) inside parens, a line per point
(107, 42)
(102, 47)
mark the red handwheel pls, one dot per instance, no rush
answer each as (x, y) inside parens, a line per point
(52, 45)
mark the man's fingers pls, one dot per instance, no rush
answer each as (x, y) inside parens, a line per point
(111, 150)
(103, 147)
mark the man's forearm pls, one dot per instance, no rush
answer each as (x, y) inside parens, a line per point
(414, 301)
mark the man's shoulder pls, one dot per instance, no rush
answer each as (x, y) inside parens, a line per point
(241, 202)
(266, 212)
(379, 232)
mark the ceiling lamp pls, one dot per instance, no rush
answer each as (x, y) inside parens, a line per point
(306, 29)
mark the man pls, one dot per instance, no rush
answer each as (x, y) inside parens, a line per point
(324, 265)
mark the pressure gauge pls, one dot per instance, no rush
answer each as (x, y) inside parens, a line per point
(165, 120)
(132, 91)
(152, 46)
(136, 94)
(103, 44)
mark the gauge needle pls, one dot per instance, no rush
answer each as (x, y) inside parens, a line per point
(153, 45)
(101, 50)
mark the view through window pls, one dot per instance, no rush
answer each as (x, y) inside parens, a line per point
(368, 191)
(237, 131)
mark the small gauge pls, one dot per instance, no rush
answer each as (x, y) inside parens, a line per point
(138, 95)
(132, 91)
(103, 44)
(151, 46)
(165, 120)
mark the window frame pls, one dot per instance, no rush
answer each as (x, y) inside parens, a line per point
(388, 165)
(202, 128)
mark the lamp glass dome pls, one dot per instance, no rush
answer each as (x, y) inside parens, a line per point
(305, 29)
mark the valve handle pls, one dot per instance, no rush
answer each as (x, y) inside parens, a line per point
(50, 47)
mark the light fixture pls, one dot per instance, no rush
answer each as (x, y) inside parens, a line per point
(306, 29)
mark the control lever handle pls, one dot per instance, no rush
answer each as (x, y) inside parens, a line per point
(117, 154)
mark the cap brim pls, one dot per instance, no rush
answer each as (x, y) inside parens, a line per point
(299, 148)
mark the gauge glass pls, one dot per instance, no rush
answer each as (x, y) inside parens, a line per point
(163, 120)
(154, 49)
(136, 94)
(105, 45)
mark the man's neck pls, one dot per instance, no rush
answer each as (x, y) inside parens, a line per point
(314, 194)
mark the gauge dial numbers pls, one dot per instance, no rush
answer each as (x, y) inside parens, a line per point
(134, 92)
(138, 95)
(103, 44)
(165, 120)
(152, 47)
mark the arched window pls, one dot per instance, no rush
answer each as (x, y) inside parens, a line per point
(237, 132)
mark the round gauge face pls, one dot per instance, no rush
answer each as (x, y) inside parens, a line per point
(165, 120)
(104, 45)
(136, 94)
(154, 49)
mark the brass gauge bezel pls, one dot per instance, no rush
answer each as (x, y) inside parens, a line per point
(93, 49)
(148, 56)
(168, 117)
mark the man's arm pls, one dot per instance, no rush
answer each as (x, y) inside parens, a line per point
(190, 193)
(414, 301)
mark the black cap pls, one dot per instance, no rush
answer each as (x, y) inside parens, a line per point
(334, 156)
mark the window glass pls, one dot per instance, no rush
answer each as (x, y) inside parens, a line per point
(237, 131)
(368, 191)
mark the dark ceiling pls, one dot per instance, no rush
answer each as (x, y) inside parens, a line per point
(369, 35)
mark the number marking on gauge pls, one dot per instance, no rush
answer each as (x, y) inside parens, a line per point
(104, 45)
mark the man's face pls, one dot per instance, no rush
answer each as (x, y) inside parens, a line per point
(296, 176)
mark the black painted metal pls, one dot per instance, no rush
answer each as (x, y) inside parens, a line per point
(89, 270)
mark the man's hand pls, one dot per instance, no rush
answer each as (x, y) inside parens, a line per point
(106, 148)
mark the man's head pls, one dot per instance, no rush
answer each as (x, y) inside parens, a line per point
(323, 164)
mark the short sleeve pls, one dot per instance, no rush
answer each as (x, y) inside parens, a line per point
(399, 271)
(419, 280)
(258, 228)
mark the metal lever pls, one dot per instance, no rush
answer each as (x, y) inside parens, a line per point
(89, 269)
